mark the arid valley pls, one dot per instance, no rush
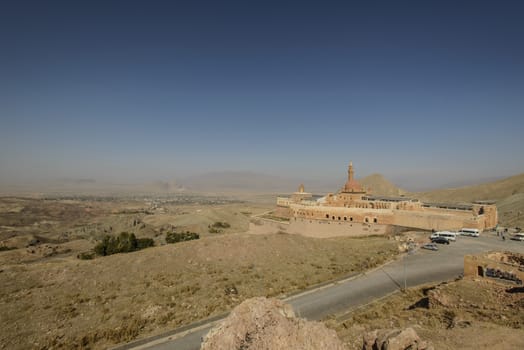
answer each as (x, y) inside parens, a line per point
(261, 175)
(57, 293)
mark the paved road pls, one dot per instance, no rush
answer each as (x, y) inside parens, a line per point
(421, 267)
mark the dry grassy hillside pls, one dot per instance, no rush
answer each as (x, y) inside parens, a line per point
(497, 190)
(508, 194)
(66, 303)
(511, 210)
(198, 218)
(376, 184)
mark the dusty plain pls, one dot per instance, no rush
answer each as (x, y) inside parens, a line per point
(51, 299)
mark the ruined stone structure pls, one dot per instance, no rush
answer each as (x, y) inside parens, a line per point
(352, 211)
(503, 266)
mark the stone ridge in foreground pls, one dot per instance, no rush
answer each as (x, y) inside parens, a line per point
(261, 323)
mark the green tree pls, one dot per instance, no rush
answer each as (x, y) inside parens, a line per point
(123, 243)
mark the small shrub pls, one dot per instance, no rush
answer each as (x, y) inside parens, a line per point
(86, 255)
(175, 237)
(218, 226)
(5, 248)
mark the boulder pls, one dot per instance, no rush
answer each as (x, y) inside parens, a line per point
(394, 339)
(437, 297)
(261, 323)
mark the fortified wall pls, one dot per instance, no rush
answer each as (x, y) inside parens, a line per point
(353, 207)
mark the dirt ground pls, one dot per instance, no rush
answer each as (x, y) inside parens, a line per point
(462, 314)
(51, 299)
(44, 227)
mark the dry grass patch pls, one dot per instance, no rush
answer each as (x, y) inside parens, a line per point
(71, 303)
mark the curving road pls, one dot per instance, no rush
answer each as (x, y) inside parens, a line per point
(421, 267)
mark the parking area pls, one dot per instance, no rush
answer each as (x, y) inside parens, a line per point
(488, 241)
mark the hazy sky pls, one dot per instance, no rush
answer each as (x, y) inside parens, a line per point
(133, 91)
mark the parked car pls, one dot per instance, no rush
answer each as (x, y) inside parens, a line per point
(440, 240)
(518, 237)
(472, 232)
(450, 236)
(430, 246)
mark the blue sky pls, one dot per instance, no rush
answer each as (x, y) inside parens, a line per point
(134, 91)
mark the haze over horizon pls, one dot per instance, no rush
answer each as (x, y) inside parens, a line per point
(425, 93)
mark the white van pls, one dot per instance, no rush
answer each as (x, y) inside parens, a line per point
(473, 232)
(518, 237)
(450, 236)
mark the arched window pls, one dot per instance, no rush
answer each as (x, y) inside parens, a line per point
(350, 218)
(366, 219)
(375, 220)
(327, 216)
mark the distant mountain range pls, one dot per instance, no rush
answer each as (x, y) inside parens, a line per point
(244, 181)
(508, 193)
(238, 181)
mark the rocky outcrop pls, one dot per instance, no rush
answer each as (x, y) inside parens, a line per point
(394, 339)
(438, 298)
(261, 323)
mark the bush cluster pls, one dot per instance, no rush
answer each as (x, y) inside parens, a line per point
(220, 224)
(175, 237)
(218, 227)
(123, 243)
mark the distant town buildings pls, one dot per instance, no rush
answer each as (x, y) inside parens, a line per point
(353, 211)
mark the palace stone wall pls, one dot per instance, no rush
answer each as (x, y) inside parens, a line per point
(352, 211)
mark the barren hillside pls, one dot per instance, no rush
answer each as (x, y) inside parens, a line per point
(62, 302)
(508, 194)
(497, 190)
(462, 314)
(377, 184)
(511, 210)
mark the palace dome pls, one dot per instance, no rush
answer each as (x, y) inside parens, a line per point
(353, 186)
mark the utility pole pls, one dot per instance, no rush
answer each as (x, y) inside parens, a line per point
(411, 250)
(405, 283)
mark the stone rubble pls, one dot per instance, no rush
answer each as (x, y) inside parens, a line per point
(394, 339)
